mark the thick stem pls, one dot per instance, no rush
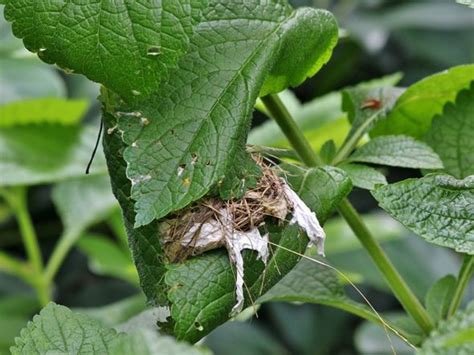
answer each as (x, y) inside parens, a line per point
(465, 274)
(401, 290)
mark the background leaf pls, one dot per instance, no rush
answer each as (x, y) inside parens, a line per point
(84, 201)
(451, 135)
(49, 110)
(36, 154)
(436, 207)
(28, 78)
(106, 258)
(401, 151)
(417, 106)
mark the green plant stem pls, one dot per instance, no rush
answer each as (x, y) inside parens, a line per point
(291, 130)
(16, 267)
(465, 274)
(399, 287)
(17, 200)
(352, 141)
(66, 242)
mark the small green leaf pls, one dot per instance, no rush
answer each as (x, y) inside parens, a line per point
(366, 105)
(439, 297)
(401, 151)
(37, 154)
(26, 78)
(106, 258)
(417, 106)
(47, 110)
(451, 135)
(328, 151)
(453, 336)
(59, 330)
(84, 201)
(363, 176)
(436, 207)
(126, 46)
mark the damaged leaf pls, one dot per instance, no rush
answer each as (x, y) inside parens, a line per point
(186, 137)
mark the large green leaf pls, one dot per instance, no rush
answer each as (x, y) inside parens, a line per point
(451, 135)
(58, 330)
(187, 135)
(202, 288)
(436, 207)
(127, 46)
(454, 336)
(46, 110)
(37, 154)
(417, 106)
(399, 151)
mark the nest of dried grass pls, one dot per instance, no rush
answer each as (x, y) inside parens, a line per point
(183, 231)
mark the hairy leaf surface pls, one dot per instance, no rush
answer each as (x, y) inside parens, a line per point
(59, 330)
(437, 207)
(451, 135)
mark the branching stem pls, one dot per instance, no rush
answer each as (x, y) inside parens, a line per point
(302, 147)
(465, 274)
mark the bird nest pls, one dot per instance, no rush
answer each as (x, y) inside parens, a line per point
(185, 233)
(212, 223)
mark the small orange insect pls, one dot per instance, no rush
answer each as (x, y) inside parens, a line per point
(371, 103)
